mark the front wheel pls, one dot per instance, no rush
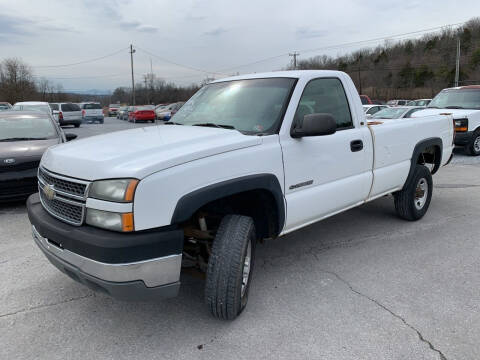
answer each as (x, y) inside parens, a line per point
(473, 148)
(230, 267)
(412, 202)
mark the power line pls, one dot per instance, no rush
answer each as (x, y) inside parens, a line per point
(335, 46)
(81, 62)
(78, 77)
(178, 64)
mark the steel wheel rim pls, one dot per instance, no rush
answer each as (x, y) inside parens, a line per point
(421, 193)
(476, 144)
(246, 268)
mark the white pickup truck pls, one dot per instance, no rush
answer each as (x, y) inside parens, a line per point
(463, 103)
(246, 158)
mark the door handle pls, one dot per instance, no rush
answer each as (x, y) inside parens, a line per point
(356, 145)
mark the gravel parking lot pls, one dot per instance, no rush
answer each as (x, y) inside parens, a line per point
(360, 285)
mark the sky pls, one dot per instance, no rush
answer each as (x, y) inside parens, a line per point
(189, 40)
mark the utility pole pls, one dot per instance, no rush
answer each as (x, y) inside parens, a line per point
(457, 65)
(359, 75)
(145, 79)
(132, 51)
(294, 54)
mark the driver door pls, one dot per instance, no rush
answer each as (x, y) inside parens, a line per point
(325, 174)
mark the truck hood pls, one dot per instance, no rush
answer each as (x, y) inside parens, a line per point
(140, 152)
(457, 113)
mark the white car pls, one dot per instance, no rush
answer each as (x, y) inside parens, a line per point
(67, 114)
(398, 112)
(373, 109)
(464, 104)
(32, 106)
(168, 111)
(419, 102)
(92, 112)
(246, 158)
(397, 102)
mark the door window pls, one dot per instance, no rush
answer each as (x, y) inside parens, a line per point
(327, 96)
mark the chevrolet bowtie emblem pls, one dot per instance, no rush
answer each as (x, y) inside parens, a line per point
(48, 191)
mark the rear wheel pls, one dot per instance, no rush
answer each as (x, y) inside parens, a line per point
(77, 125)
(413, 201)
(230, 267)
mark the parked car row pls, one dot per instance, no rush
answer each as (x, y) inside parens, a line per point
(144, 112)
(419, 102)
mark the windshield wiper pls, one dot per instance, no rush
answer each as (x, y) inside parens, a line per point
(171, 123)
(210, 124)
(22, 139)
(454, 107)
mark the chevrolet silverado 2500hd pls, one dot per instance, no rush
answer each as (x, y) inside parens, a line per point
(464, 104)
(246, 158)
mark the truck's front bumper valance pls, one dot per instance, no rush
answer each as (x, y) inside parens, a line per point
(137, 266)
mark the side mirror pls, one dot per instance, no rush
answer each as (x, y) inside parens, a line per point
(315, 125)
(70, 136)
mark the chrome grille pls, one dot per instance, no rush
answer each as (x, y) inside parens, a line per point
(66, 211)
(61, 184)
(64, 198)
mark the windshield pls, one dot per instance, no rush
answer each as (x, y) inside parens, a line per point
(143, 108)
(251, 106)
(43, 108)
(26, 127)
(457, 98)
(389, 113)
(4, 107)
(91, 106)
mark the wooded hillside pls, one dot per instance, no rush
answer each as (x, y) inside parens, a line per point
(412, 69)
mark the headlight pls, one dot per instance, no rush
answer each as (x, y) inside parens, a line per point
(119, 190)
(110, 220)
(461, 125)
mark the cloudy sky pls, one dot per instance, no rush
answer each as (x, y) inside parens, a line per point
(207, 38)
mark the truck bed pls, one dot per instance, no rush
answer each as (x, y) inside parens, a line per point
(393, 144)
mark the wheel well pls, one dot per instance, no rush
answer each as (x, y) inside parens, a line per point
(430, 155)
(259, 204)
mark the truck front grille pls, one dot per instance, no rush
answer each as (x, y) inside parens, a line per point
(64, 198)
(70, 186)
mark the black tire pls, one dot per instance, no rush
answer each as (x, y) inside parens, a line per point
(410, 204)
(473, 147)
(223, 287)
(77, 125)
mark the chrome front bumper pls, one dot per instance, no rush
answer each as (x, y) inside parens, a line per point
(156, 274)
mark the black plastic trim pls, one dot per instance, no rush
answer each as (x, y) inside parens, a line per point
(422, 145)
(191, 202)
(103, 245)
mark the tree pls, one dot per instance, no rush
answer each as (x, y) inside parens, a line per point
(16, 81)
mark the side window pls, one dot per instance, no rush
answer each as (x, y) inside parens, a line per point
(325, 95)
(409, 114)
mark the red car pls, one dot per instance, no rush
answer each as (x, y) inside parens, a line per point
(142, 113)
(365, 100)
